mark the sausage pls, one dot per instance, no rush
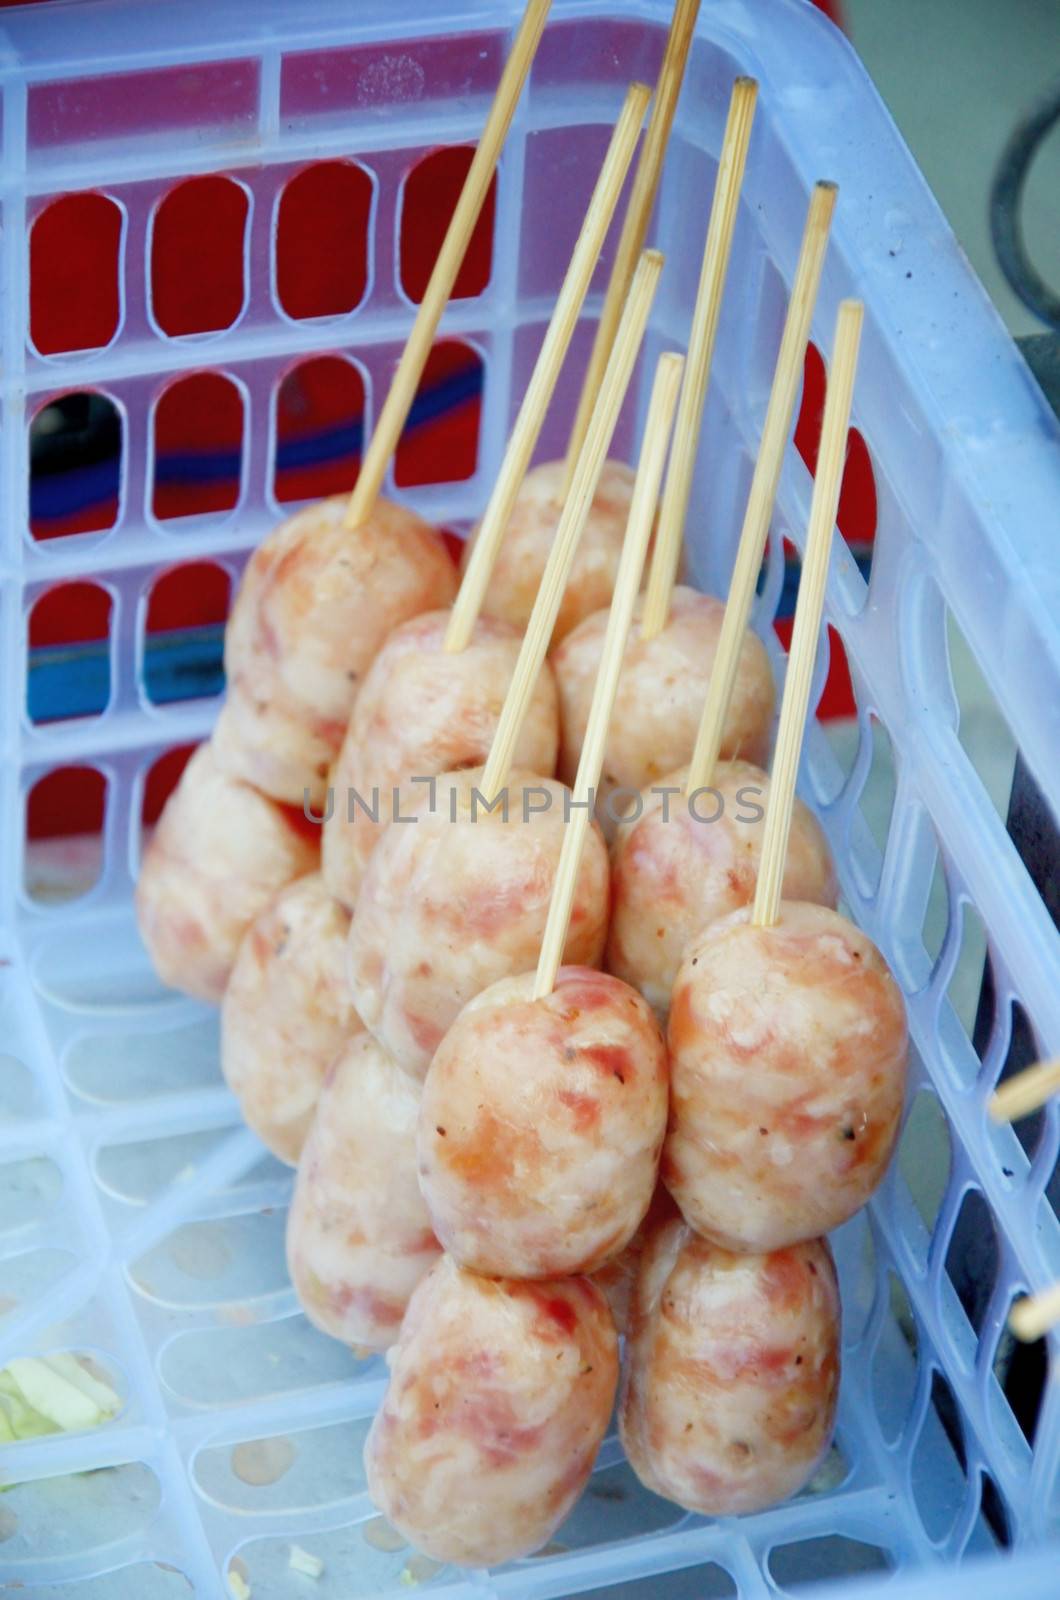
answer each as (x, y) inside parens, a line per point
(788, 1049)
(661, 691)
(448, 907)
(731, 1373)
(681, 861)
(499, 1398)
(542, 1124)
(359, 1237)
(286, 1012)
(314, 606)
(529, 536)
(219, 854)
(422, 711)
(616, 1278)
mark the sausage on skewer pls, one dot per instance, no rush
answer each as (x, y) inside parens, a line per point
(551, 1170)
(686, 857)
(286, 1012)
(731, 1372)
(219, 854)
(359, 1237)
(499, 1398)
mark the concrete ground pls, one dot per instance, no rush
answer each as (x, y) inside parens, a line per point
(957, 74)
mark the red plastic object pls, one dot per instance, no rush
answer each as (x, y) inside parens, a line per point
(84, 499)
(322, 239)
(857, 496)
(440, 442)
(68, 800)
(431, 192)
(319, 417)
(856, 518)
(197, 277)
(70, 612)
(198, 428)
(74, 265)
(190, 596)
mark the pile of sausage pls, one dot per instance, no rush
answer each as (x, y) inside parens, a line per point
(490, 1186)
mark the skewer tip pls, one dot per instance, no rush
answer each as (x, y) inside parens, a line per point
(1032, 1317)
(1027, 1092)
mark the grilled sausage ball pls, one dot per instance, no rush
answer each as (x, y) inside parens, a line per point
(661, 691)
(788, 1050)
(219, 854)
(731, 1373)
(448, 907)
(314, 606)
(541, 1125)
(528, 539)
(286, 1012)
(358, 1235)
(681, 861)
(617, 1277)
(422, 711)
(500, 1395)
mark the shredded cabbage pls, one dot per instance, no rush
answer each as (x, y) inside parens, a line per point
(51, 1394)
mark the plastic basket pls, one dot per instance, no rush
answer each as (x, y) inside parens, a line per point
(139, 1222)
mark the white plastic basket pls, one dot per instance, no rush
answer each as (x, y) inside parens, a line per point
(138, 1221)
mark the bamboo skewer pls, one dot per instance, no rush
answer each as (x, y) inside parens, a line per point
(808, 612)
(716, 252)
(627, 583)
(637, 218)
(409, 371)
(775, 431)
(1033, 1316)
(572, 521)
(547, 369)
(1026, 1092)
(1021, 1095)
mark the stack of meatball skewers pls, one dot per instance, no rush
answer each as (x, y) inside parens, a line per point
(540, 1132)
(423, 710)
(447, 908)
(502, 1162)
